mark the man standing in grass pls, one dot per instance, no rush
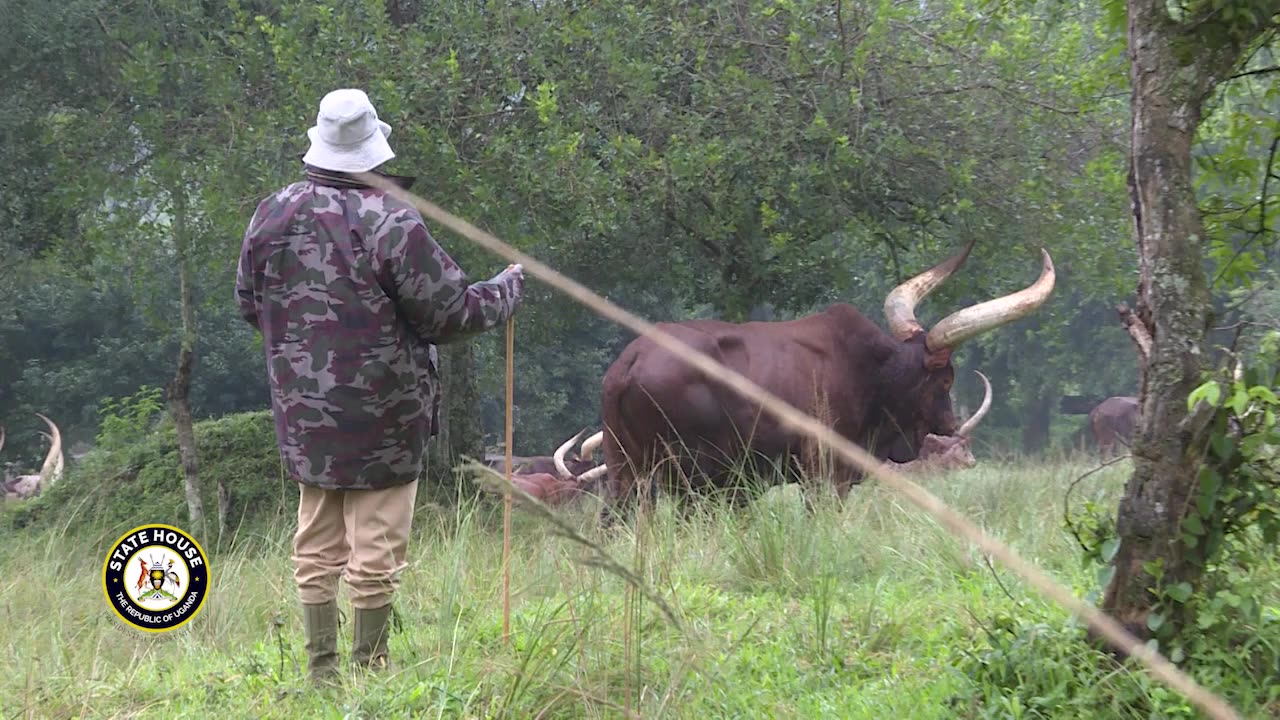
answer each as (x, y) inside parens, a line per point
(351, 294)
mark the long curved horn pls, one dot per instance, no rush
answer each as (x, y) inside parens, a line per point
(977, 319)
(1, 437)
(590, 444)
(976, 418)
(558, 457)
(900, 303)
(51, 471)
(593, 475)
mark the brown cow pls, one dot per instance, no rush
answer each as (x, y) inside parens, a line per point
(543, 464)
(23, 487)
(884, 391)
(1112, 423)
(548, 488)
(567, 479)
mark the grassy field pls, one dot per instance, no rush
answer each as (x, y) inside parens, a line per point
(869, 611)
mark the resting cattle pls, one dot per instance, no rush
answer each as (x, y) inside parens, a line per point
(548, 488)
(939, 453)
(884, 391)
(1112, 423)
(543, 464)
(23, 487)
(557, 480)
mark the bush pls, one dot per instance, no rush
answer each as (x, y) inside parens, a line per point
(1039, 669)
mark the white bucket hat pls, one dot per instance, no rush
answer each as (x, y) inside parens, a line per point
(348, 136)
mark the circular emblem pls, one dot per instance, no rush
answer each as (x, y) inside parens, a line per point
(156, 577)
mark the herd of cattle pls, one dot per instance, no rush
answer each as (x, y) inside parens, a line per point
(669, 428)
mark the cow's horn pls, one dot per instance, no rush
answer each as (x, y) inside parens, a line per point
(977, 319)
(51, 471)
(558, 457)
(593, 474)
(976, 418)
(900, 303)
(1, 437)
(590, 444)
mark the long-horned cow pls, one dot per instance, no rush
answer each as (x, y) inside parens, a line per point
(1112, 423)
(884, 391)
(23, 487)
(939, 453)
(544, 464)
(557, 480)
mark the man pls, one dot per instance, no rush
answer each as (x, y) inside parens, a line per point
(351, 295)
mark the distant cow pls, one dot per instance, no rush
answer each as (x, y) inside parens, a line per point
(1112, 422)
(883, 390)
(546, 464)
(567, 479)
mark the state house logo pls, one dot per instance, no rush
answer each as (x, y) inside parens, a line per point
(156, 577)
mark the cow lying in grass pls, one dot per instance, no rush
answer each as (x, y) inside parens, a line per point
(940, 453)
(23, 487)
(565, 480)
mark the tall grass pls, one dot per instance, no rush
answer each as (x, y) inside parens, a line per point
(857, 611)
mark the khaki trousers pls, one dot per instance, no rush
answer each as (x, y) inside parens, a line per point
(359, 534)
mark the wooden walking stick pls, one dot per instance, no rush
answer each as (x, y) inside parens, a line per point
(506, 493)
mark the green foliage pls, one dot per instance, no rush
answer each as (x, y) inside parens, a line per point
(127, 419)
(672, 155)
(1239, 483)
(1033, 669)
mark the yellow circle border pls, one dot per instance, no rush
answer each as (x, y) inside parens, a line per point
(106, 593)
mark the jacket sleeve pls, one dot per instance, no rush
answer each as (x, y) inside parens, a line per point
(245, 298)
(434, 294)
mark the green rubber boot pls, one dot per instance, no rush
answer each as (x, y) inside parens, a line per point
(369, 647)
(321, 625)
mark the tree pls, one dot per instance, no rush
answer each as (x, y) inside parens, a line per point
(1179, 53)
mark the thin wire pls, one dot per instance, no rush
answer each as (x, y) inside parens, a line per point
(956, 524)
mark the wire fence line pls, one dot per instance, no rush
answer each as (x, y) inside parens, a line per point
(955, 523)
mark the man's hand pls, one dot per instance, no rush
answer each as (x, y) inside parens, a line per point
(513, 275)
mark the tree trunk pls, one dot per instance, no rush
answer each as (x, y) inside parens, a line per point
(180, 387)
(403, 12)
(439, 458)
(1172, 72)
(466, 436)
(460, 430)
(1035, 429)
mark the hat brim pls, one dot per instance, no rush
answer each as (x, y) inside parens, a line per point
(360, 157)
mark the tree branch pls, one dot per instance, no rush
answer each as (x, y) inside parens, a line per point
(1137, 330)
(1259, 71)
(1262, 229)
(106, 31)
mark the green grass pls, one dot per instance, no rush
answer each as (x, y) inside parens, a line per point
(870, 611)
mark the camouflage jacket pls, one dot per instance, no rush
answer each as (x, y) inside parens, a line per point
(351, 294)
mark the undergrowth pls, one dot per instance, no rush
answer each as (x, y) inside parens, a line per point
(869, 610)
